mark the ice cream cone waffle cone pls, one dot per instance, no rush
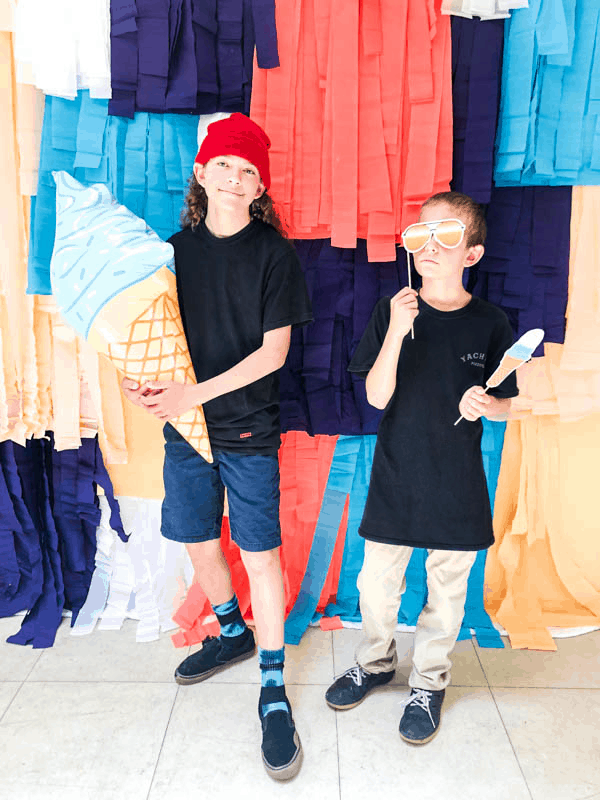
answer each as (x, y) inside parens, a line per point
(141, 333)
(506, 366)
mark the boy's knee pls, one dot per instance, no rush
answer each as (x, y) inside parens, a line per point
(260, 563)
(204, 555)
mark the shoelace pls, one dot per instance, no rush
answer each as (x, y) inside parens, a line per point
(422, 699)
(356, 673)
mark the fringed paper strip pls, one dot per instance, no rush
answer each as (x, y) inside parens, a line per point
(145, 163)
(542, 570)
(476, 76)
(63, 46)
(359, 115)
(525, 268)
(318, 394)
(548, 123)
(49, 537)
(188, 56)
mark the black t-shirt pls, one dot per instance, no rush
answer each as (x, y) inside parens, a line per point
(231, 291)
(428, 486)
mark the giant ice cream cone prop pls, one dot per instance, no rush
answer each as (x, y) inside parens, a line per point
(113, 282)
(518, 353)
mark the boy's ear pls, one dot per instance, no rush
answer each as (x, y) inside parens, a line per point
(474, 254)
(199, 172)
(260, 190)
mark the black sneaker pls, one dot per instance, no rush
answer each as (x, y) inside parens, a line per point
(421, 718)
(215, 654)
(281, 746)
(353, 686)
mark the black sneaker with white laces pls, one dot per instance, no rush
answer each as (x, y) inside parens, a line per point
(421, 718)
(215, 654)
(353, 686)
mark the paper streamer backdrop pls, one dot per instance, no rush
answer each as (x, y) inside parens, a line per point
(146, 162)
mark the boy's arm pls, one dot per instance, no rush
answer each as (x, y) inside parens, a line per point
(381, 380)
(172, 399)
(499, 409)
(269, 357)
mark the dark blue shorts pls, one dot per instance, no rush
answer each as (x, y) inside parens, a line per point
(194, 492)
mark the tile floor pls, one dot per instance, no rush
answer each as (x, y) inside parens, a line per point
(100, 718)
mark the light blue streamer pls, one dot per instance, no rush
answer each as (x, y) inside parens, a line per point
(476, 617)
(346, 605)
(415, 594)
(339, 484)
(550, 96)
(79, 137)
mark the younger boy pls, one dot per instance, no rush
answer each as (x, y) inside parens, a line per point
(240, 290)
(428, 487)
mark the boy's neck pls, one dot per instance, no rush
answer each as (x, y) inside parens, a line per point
(444, 296)
(223, 223)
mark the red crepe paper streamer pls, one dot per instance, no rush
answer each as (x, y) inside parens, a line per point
(330, 623)
(360, 117)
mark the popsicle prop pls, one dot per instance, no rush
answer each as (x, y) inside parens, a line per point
(520, 352)
(113, 281)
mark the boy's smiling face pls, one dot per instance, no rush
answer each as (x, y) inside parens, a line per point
(230, 182)
(436, 262)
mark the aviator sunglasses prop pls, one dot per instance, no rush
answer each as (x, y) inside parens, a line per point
(448, 233)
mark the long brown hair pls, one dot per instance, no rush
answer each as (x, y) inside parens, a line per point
(196, 205)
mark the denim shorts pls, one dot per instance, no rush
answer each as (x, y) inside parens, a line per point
(194, 492)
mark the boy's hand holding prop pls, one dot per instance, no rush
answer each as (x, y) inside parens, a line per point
(516, 355)
(412, 327)
(113, 281)
(404, 307)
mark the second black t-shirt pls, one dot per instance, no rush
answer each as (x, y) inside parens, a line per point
(428, 486)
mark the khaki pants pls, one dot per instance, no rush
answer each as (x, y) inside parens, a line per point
(381, 584)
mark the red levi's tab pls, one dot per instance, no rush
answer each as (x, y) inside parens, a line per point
(245, 435)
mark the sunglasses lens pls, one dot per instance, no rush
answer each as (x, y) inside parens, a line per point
(415, 237)
(449, 233)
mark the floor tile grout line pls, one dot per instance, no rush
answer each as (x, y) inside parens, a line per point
(326, 684)
(511, 743)
(337, 731)
(487, 680)
(337, 744)
(162, 744)
(547, 688)
(34, 665)
(14, 697)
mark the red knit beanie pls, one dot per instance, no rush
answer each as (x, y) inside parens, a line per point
(237, 135)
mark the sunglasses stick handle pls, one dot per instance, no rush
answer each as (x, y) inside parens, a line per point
(412, 327)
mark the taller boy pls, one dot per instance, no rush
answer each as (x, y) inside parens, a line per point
(240, 290)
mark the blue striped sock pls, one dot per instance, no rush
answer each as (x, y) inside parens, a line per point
(230, 618)
(271, 674)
